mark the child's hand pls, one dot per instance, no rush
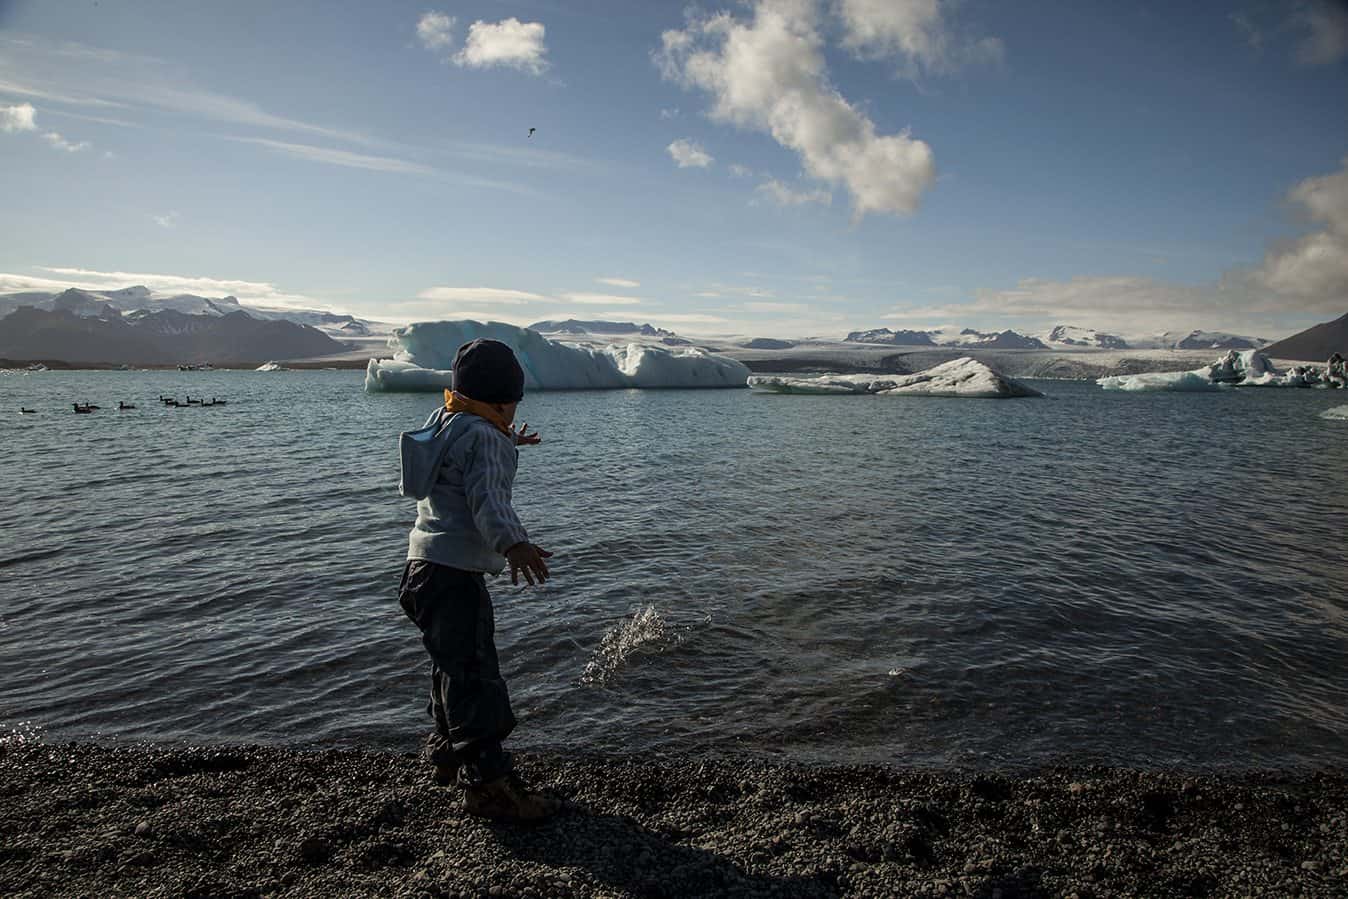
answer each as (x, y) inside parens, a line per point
(524, 438)
(528, 558)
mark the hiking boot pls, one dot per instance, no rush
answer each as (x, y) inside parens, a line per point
(440, 754)
(508, 799)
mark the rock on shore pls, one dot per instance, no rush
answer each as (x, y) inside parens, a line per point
(83, 819)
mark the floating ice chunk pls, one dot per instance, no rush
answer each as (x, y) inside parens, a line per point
(271, 366)
(1180, 381)
(1338, 413)
(1247, 368)
(964, 377)
(425, 355)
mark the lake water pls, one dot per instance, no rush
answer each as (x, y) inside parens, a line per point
(1138, 579)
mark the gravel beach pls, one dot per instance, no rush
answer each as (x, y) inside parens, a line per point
(91, 819)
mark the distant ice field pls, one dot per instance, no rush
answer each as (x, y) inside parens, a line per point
(1147, 579)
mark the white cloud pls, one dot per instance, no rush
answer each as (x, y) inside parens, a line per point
(1111, 303)
(23, 90)
(618, 282)
(670, 113)
(510, 43)
(691, 318)
(917, 30)
(60, 143)
(740, 171)
(109, 79)
(688, 154)
(783, 195)
(741, 290)
(345, 158)
(1325, 24)
(484, 295)
(434, 30)
(769, 74)
(1304, 279)
(17, 118)
(259, 293)
(168, 220)
(776, 307)
(1314, 268)
(601, 299)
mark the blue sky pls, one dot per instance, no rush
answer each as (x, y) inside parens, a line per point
(778, 167)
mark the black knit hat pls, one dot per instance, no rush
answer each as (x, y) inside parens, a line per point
(487, 371)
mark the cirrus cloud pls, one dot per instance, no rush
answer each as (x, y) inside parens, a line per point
(473, 295)
(601, 299)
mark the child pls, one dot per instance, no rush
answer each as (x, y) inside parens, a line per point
(460, 467)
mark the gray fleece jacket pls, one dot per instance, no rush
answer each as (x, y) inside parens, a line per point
(460, 469)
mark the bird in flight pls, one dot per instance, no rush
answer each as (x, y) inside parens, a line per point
(531, 131)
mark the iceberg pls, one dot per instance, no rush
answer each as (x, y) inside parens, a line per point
(271, 366)
(1245, 368)
(425, 356)
(1338, 413)
(962, 377)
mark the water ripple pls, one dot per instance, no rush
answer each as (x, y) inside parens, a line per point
(1129, 579)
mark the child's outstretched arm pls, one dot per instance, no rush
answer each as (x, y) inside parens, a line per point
(488, 474)
(529, 558)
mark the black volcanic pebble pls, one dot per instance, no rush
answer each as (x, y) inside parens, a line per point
(88, 819)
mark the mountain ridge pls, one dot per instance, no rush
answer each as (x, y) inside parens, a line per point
(1315, 344)
(156, 338)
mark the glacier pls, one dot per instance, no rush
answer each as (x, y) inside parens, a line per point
(425, 354)
(962, 377)
(1246, 368)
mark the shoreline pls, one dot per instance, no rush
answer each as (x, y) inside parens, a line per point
(89, 818)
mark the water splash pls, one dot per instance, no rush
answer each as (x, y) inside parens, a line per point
(646, 631)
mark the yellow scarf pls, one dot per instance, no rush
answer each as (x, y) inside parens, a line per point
(457, 402)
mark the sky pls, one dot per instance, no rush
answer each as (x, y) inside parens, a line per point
(772, 167)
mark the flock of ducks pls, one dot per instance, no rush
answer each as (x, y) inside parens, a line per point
(90, 408)
(172, 402)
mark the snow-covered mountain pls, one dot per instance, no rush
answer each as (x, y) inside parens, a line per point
(78, 333)
(966, 338)
(573, 326)
(1196, 340)
(1063, 337)
(884, 335)
(140, 299)
(1070, 336)
(1218, 340)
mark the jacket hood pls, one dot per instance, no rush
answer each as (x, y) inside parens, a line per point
(423, 451)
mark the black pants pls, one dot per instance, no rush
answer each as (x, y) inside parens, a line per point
(469, 700)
